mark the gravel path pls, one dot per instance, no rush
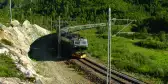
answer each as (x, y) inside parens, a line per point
(59, 73)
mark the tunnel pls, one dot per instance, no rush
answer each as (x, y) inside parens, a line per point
(45, 49)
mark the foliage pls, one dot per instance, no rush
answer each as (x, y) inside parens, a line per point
(134, 35)
(8, 68)
(101, 30)
(162, 36)
(42, 12)
(152, 44)
(153, 24)
(129, 57)
(151, 14)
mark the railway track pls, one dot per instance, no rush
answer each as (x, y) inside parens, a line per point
(116, 77)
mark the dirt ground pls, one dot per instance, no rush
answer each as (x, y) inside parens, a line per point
(59, 73)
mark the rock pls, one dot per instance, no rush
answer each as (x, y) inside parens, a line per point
(3, 27)
(26, 24)
(15, 23)
(38, 81)
(41, 30)
(22, 37)
(4, 80)
(3, 50)
(30, 68)
(8, 82)
(29, 74)
(15, 58)
(24, 61)
(21, 68)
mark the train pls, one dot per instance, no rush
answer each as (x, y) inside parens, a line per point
(79, 55)
(79, 44)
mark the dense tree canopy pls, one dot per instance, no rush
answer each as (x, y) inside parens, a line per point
(84, 11)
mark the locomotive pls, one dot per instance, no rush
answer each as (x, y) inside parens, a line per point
(79, 44)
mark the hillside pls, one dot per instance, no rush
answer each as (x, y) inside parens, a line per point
(146, 63)
(44, 12)
(18, 43)
(16, 39)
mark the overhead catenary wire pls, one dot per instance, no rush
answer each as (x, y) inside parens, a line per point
(109, 42)
(123, 28)
(59, 39)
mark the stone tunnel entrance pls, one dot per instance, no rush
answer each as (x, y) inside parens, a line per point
(45, 49)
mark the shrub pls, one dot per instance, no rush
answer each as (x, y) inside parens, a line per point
(101, 30)
(1, 25)
(104, 36)
(152, 44)
(135, 35)
(8, 68)
(162, 36)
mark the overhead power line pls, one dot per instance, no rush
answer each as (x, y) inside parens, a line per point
(111, 22)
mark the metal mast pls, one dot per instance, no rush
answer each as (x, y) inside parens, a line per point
(59, 39)
(10, 11)
(31, 12)
(109, 48)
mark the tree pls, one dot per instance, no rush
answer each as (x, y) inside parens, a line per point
(162, 36)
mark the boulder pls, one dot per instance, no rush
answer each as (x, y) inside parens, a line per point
(3, 27)
(24, 61)
(22, 36)
(15, 23)
(3, 50)
(21, 68)
(26, 24)
(41, 30)
(29, 74)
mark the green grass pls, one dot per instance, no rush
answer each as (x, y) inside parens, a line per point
(119, 27)
(8, 68)
(153, 64)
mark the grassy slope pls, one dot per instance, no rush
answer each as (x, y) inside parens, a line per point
(8, 68)
(128, 57)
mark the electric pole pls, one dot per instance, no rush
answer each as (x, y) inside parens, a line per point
(59, 39)
(111, 22)
(109, 49)
(51, 23)
(10, 11)
(31, 12)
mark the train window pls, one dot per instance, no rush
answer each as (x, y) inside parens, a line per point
(83, 42)
(77, 42)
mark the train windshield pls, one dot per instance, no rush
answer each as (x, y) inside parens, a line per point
(77, 42)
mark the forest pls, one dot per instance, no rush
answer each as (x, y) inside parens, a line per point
(151, 15)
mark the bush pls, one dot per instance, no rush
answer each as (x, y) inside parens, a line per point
(8, 68)
(104, 36)
(135, 35)
(154, 24)
(152, 44)
(101, 30)
(162, 36)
